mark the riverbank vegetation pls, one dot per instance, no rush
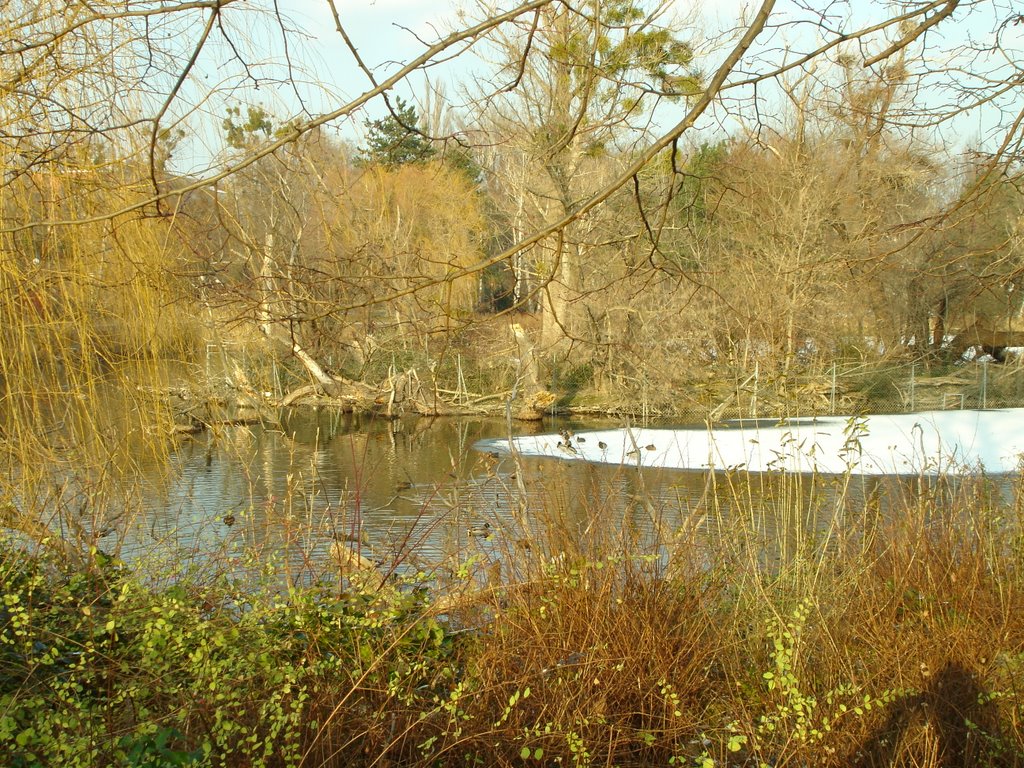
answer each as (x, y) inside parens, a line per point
(884, 638)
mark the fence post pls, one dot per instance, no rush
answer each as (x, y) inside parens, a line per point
(460, 381)
(1017, 377)
(753, 400)
(913, 385)
(984, 383)
(643, 396)
(832, 396)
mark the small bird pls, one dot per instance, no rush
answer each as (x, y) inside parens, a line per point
(634, 453)
(567, 447)
(229, 519)
(355, 535)
(580, 439)
(602, 445)
(651, 447)
(483, 530)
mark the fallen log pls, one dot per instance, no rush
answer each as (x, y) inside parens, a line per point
(41, 534)
(348, 558)
(443, 408)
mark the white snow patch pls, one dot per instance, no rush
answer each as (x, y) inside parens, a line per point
(932, 443)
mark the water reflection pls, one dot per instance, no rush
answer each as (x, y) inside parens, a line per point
(412, 492)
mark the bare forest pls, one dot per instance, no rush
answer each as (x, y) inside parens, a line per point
(650, 201)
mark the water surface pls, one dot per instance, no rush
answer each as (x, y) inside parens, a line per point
(416, 492)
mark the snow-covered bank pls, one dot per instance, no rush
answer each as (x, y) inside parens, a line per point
(931, 442)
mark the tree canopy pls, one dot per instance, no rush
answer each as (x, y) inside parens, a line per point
(396, 139)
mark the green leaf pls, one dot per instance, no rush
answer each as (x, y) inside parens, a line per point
(26, 737)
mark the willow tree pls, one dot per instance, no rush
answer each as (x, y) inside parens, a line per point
(92, 294)
(418, 228)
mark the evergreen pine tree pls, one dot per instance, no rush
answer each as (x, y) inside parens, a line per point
(393, 141)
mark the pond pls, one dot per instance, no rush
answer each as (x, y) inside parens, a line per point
(414, 492)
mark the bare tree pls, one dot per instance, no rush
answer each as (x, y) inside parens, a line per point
(585, 96)
(580, 82)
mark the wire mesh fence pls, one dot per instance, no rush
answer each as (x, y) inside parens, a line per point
(833, 389)
(916, 387)
(683, 393)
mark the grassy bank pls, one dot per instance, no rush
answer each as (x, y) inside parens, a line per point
(893, 639)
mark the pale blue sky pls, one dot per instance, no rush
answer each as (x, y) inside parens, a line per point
(324, 75)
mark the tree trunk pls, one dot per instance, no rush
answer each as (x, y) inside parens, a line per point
(534, 400)
(275, 332)
(558, 321)
(938, 324)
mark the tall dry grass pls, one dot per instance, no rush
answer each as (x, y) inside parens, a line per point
(888, 636)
